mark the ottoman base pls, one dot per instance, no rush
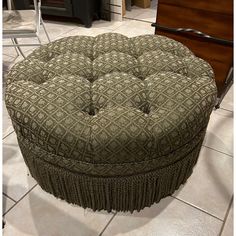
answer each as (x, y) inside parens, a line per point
(121, 193)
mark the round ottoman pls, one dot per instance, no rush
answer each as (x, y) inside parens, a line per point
(111, 122)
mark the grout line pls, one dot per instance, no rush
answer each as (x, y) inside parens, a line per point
(8, 134)
(20, 199)
(217, 151)
(145, 21)
(225, 109)
(216, 217)
(9, 197)
(117, 27)
(226, 215)
(107, 224)
(4, 54)
(66, 32)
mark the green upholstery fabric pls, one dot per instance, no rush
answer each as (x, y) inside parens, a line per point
(111, 122)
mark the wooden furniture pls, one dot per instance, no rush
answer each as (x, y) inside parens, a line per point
(142, 3)
(84, 11)
(123, 7)
(206, 27)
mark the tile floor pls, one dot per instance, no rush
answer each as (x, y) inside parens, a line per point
(203, 206)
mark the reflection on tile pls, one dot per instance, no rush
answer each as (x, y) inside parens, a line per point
(148, 15)
(133, 28)
(16, 182)
(210, 187)
(135, 11)
(55, 29)
(220, 131)
(168, 217)
(45, 215)
(229, 224)
(7, 203)
(154, 4)
(7, 127)
(228, 101)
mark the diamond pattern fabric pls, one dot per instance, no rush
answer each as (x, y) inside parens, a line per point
(104, 43)
(159, 61)
(68, 64)
(148, 43)
(115, 62)
(111, 99)
(111, 122)
(119, 89)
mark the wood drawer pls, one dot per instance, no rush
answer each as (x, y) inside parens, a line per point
(211, 23)
(218, 6)
(220, 57)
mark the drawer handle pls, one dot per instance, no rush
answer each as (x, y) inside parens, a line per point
(189, 30)
(193, 31)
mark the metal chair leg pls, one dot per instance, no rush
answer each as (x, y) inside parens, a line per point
(16, 42)
(45, 30)
(39, 40)
(15, 47)
(3, 224)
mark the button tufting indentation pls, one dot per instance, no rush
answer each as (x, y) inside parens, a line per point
(118, 89)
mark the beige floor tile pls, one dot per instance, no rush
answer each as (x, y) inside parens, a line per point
(55, 29)
(228, 101)
(132, 28)
(220, 131)
(44, 215)
(7, 203)
(210, 187)
(148, 15)
(98, 27)
(7, 127)
(135, 11)
(7, 64)
(228, 229)
(9, 51)
(85, 31)
(16, 182)
(110, 25)
(8, 61)
(168, 217)
(154, 4)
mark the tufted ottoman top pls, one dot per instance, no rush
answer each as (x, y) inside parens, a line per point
(111, 105)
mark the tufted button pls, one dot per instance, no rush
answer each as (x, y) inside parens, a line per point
(119, 89)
